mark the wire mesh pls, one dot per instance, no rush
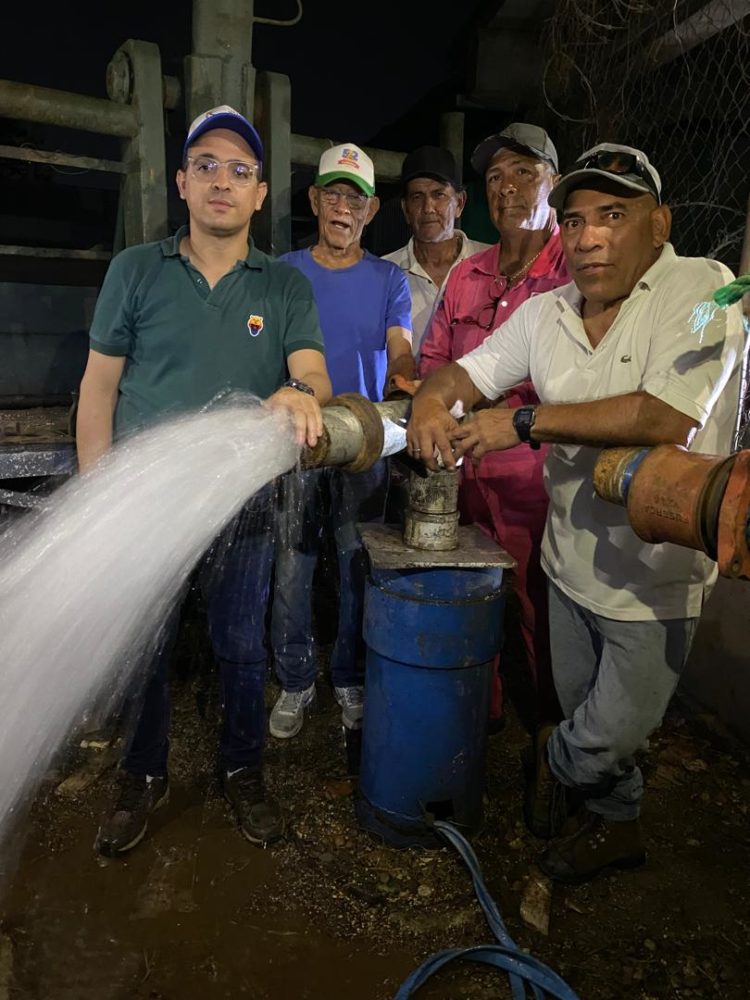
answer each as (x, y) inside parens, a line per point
(671, 77)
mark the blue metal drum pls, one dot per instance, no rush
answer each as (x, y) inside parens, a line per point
(431, 635)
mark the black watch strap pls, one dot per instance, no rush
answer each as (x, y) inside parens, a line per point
(523, 421)
(295, 383)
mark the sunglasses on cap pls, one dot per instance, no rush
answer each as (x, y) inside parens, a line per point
(620, 163)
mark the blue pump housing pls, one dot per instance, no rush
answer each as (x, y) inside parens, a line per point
(431, 634)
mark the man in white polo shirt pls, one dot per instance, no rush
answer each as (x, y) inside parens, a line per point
(432, 200)
(632, 352)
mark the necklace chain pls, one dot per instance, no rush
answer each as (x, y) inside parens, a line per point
(525, 267)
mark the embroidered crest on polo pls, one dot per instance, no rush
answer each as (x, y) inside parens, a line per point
(255, 325)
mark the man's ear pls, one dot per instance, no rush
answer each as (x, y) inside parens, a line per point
(661, 225)
(403, 209)
(461, 203)
(180, 179)
(373, 208)
(260, 197)
(312, 194)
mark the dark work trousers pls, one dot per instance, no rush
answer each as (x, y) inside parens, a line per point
(319, 501)
(234, 578)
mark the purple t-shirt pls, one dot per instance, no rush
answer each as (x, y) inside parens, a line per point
(357, 305)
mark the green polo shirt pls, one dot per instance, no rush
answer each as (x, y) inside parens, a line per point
(185, 342)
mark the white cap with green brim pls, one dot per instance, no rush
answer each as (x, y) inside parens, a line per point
(347, 163)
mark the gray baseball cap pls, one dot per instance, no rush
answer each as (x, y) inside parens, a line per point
(624, 165)
(529, 139)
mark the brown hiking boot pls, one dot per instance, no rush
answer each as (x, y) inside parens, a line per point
(545, 805)
(598, 845)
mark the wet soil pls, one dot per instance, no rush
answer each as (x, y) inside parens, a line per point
(196, 912)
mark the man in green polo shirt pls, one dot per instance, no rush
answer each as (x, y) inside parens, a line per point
(178, 322)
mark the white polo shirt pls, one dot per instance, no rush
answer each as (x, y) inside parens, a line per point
(668, 339)
(425, 294)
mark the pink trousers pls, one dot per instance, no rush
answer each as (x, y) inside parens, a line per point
(510, 505)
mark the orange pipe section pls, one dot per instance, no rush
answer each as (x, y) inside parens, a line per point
(667, 498)
(686, 498)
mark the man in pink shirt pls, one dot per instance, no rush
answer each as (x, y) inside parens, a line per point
(505, 493)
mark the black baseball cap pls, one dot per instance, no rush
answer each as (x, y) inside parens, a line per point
(430, 161)
(531, 140)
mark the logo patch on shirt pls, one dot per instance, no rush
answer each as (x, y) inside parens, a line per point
(625, 359)
(255, 325)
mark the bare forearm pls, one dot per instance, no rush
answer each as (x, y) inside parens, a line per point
(320, 384)
(635, 418)
(93, 426)
(403, 365)
(447, 385)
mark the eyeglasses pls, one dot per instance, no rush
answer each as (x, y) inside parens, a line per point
(332, 196)
(488, 310)
(206, 169)
(616, 162)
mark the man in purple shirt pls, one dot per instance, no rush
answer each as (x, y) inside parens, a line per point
(365, 315)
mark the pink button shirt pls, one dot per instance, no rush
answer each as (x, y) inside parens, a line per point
(476, 301)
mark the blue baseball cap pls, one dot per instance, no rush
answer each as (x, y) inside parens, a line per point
(224, 117)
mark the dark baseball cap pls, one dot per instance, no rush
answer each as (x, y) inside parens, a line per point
(430, 161)
(224, 117)
(531, 140)
(625, 166)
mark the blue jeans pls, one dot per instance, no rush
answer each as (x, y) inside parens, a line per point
(318, 501)
(614, 680)
(234, 577)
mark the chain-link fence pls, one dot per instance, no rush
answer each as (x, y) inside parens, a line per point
(671, 77)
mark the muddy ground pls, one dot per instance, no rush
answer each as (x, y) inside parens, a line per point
(196, 912)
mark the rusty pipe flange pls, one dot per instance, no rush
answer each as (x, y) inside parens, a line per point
(373, 435)
(613, 473)
(311, 458)
(711, 502)
(733, 554)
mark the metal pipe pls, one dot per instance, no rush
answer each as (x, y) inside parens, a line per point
(356, 432)
(307, 150)
(25, 102)
(56, 253)
(704, 24)
(64, 159)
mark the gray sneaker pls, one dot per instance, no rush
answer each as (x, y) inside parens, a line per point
(288, 714)
(350, 699)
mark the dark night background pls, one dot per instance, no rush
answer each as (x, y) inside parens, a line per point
(374, 74)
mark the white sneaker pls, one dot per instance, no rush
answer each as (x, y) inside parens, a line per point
(350, 699)
(288, 714)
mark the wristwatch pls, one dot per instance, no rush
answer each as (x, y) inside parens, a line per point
(523, 421)
(294, 383)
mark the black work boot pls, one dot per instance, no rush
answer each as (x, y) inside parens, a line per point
(126, 822)
(258, 815)
(545, 804)
(598, 845)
